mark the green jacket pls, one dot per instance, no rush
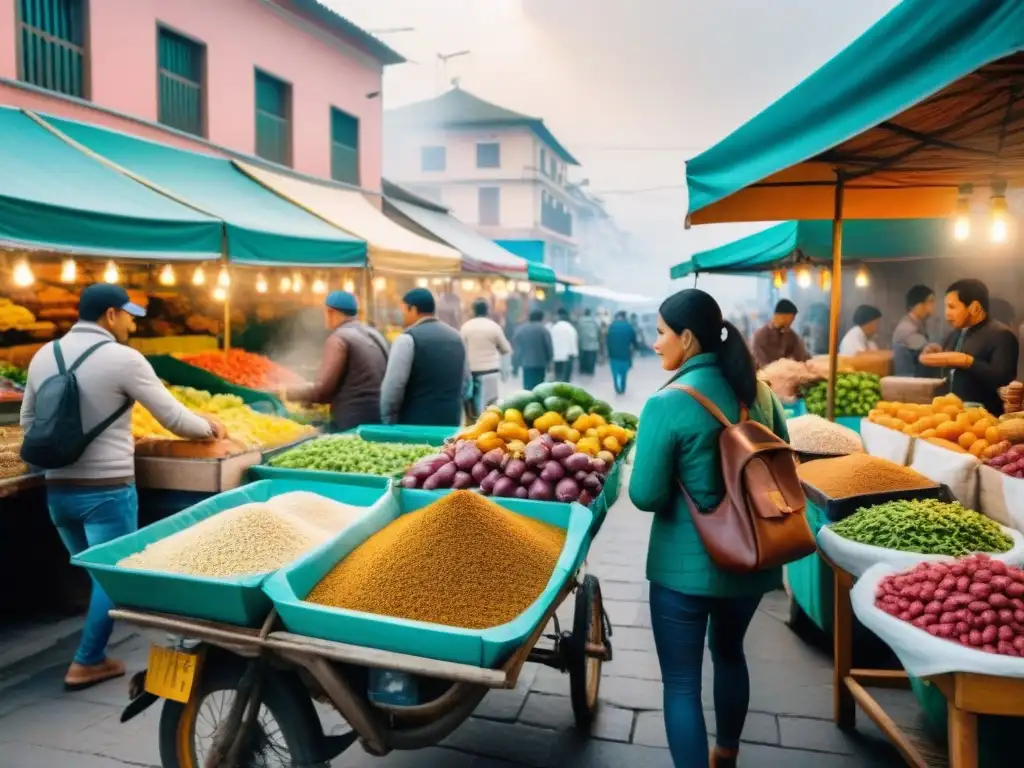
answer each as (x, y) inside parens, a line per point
(677, 438)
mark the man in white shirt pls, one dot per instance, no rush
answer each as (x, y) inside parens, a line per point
(861, 338)
(485, 344)
(566, 344)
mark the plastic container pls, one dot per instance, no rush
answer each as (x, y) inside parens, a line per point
(174, 371)
(839, 509)
(486, 648)
(399, 433)
(238, 600)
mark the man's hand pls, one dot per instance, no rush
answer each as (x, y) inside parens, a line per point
(219, 430)
(946, 359)
(931, 349)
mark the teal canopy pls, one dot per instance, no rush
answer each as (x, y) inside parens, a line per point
(55, 198)
(540, 273)
(262, 228)
(926, 100)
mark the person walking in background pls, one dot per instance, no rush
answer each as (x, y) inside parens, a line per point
(777, 339)
(533, 350)
(566, 344)
(93, 500)
(590, 342)
(677, 444)
(352, 367)
(638, 332)
(622, 342)
(861, 337)
(428, 371)
(485, 346)
(910, 339)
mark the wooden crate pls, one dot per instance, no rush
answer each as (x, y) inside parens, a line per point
(199, 475)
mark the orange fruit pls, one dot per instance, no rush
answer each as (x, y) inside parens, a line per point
(978, 447)
(967, 439)
(929, 433)
(992, 435)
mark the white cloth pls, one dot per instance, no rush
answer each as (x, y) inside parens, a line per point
(485, 344)
(957, 470)
(856, 341)
(565, 340)
(886, 443)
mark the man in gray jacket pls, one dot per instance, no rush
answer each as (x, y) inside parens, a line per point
(590, 342)
(533, 349)
(93, 500)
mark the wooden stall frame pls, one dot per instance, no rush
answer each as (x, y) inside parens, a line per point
(967, 694)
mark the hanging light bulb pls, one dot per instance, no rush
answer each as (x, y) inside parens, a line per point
(261, 283)
(422, 282)
(319, 286)
(199, 276)
(825, 280)
(297, 283)
(220, 293)
(380, 283)
(468, 285)
(999, 228)
(962, 217)
(68, 271)
(223, 278)
(778, 278)
(541, 295)
(437, 281)
(110, 274)
(349, 286)
(286, 284)
(803, 277)
(167, 276)
(863, 280)
(22, 274)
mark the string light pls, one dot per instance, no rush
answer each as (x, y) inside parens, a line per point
(68, 271)
(22, 274)
(110, 274)
(220, 293)
(541, 295)
(319, 286)
(803, 277)
(863, 280)
(422, 282)
(167, 276)
(349, 286)
(999, 229)
(286, 284)
(224, 278)
(297, 283)
(261, 283)
(523, 287)
(498, 286)
(779, 278)
(380, 283)
(438, 281)
(825, 280)
(199, 276)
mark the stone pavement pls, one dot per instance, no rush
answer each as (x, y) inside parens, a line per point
(529, 727)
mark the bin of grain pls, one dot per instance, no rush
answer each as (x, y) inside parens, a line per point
(316, 510)
(813, 437)
(462, 561)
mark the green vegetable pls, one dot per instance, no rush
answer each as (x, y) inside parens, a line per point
(601, 407)
(582, 398)
(13, 373)
(557, 404)
(574, 413)
(624, 420)
(518, 400)
(339, 453)
(856, 395)
(565, 391)
(543, 391)
(925, 525)
(532, 412)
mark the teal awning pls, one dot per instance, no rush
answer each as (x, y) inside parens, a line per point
(540, 273)
(748, 254)
(53, 197)
(926, 100)
(262, 228)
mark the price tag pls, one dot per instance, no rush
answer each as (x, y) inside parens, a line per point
(171, 673)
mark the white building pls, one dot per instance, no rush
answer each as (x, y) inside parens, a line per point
(603, 248)
(502, 171)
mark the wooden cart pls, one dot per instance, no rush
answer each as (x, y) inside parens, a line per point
(967, 695)
(272, 678)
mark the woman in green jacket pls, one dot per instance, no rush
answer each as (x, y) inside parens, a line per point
(678, 443)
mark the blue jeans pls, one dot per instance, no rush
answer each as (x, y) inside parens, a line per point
(532, 377)
(86, 516)
(620, 370)
(680, 624)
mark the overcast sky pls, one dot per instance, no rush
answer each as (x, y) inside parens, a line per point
(632, 87)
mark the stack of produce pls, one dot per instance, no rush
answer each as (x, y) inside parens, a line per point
(1008, 454)
(946, 423)
(244, 368)
(11, 464)
(341, 453)
(462, 561)
(13, 373)
(12, 383)
(308, 414)
(856, 395)
(977, 602)
(927, 526)
(815, 435)
(858, 474)
(14, 317)
(788, 377)
(1012, 396)
(249, 539)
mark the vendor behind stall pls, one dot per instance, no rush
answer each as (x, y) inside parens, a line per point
(352, 368)
(93, 500)
(981, 353)
(861, 337)
(777, 339)
(910, 339)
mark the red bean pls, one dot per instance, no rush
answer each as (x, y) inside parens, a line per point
(997, 567)
(975, 636)
(989, 635)
(905, 616)
(916, 609)
(962, 628)
(989, 616)
(941, 594)
(965, 640)
(1018, 616)
(1015, 589)
(970, 567)
(997, 600)
(988, 648)
(879, 592)
(1005, 633)
(1018, 643)
(1000, 583)
(983, 575)
(980, 590)
(949, 582)
(948, 616)
(1005, 616)
(1005, 648)
(978, 606)
(963, 584)
(904, 603)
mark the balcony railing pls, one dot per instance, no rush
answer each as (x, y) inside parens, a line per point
(181, 103)
(344, 163)
(273, 137)
(51, 62)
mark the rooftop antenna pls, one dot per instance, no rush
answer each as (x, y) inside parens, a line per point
(444, 58)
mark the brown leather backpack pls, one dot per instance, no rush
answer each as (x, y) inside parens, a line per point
(761, 522)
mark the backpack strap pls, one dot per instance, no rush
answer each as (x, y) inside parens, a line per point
(61, 367)
(709, 406)
(100, 428)
(83, 357)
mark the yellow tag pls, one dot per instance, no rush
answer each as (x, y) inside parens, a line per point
(171, 674)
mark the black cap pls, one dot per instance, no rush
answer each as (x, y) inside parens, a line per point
(97, 298)
(785, 307)
(421, 300)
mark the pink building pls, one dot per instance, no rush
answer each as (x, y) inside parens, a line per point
(287, 80)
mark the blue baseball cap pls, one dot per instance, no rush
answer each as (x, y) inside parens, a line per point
(97, 298)
(343, 302)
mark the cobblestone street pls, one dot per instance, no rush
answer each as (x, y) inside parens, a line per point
(789, 723)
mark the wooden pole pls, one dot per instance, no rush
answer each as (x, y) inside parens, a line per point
(837, 295)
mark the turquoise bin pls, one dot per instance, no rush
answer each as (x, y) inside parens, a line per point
(810, 580)
(236, 600)
(484, 648)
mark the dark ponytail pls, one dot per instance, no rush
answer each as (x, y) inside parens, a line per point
(698, 312)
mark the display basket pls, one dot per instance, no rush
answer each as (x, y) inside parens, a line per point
(182, 374)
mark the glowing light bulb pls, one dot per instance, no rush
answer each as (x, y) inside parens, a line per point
(349, 286)
(286, 284)
(862, 280)
(540, 294)
(467, 285)
(825, 280)
(22, 274)
(961, 228)
(297, 283)
(803, 277)
(524, 287)
(498, 286)
(68, 271)
(779, 278)
(223, 278)
(422, 282)
(220, 293)
(261, 283)
(999, 231)
(167, 276)
(380, 283)
(110, 274)
(199, 276)
(437, 281)
(319, 286)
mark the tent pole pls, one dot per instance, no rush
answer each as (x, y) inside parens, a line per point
(836, 304)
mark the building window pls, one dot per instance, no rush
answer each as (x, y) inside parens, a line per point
(273, 119)
(344, 147)
(433, 158)
(180, 64)
(488, 155)
(543, 161)
(53, 45)
(490, 206)
(554, 215)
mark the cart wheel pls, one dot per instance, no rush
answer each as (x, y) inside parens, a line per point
(585, 671)
(286, 733)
